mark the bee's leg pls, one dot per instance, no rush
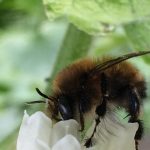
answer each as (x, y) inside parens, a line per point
(136, 145)
(134, 110)
(139, 132)
(101, 109)
(88, 142)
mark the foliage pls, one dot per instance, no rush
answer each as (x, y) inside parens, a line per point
(95, 16)
(19, 12)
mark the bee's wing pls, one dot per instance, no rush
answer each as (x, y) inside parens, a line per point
(109, 63)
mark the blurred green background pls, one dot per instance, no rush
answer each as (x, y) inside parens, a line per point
(33, 48)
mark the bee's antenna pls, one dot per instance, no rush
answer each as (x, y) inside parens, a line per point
(35, 102)
(42, 94)
(109, 63)
(51, 98)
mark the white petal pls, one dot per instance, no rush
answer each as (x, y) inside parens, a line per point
(67, 143)
(63, 128)
(112, 135)
(34, 132)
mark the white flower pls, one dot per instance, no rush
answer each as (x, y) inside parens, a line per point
(38, 133)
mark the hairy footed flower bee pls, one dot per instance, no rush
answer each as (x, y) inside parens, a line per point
(90, 87)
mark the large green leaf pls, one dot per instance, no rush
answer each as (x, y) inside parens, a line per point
(94, 16)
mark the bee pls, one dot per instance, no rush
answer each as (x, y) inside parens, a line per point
(89, 87)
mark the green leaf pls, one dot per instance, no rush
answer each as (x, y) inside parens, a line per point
(95, 16)
(138, 34)
(4, 87)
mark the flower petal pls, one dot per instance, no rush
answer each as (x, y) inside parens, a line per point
(63, 128)
(34, 132)
(113, 135)
(67, 143)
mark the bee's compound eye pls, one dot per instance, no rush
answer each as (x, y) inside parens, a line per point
(65, 109)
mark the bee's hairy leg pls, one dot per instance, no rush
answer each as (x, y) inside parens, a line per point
(139, 133)
(88, 142)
